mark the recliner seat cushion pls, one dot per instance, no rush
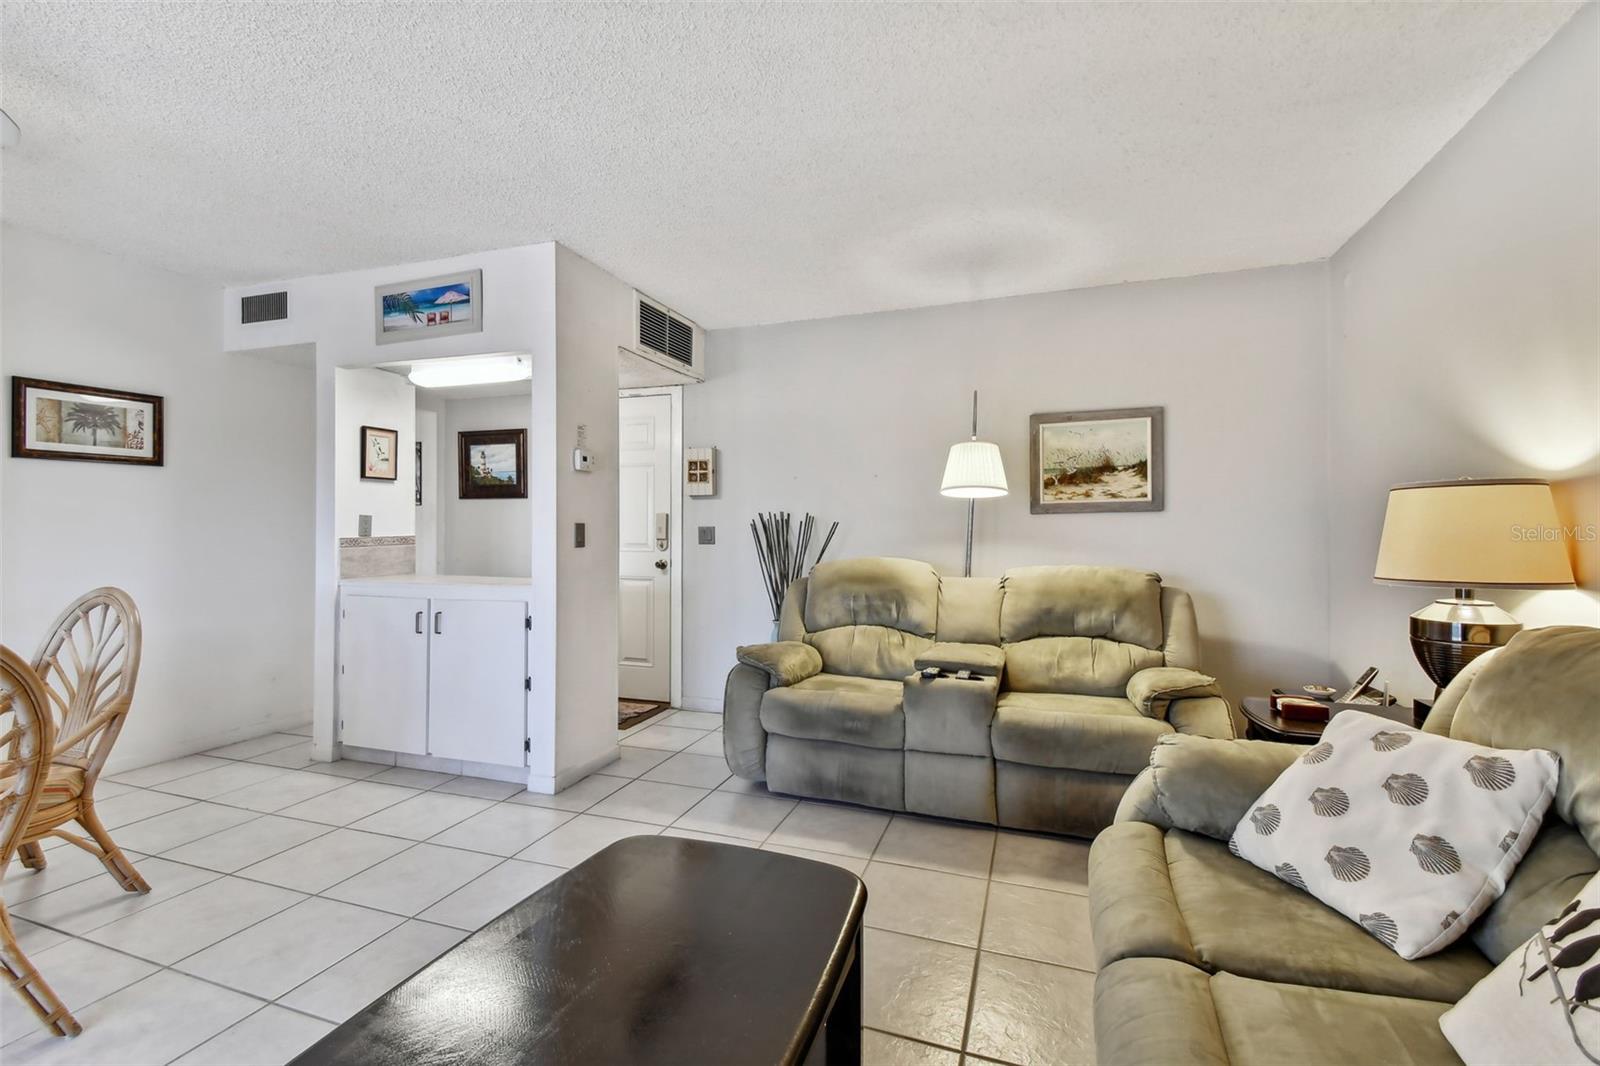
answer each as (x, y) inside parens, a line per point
(847, 710)
(1183, 896)
(1106, 734)
(1158, 1011)
(1319, 1024)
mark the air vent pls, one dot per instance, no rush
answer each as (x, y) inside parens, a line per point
(680, 341)
(264, 307)
(666, 339)
(654, 326)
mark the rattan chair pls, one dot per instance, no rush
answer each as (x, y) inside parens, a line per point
(27, 735)
(88, 665)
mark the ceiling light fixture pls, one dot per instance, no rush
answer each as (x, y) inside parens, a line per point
(476, 370)
(10, 132)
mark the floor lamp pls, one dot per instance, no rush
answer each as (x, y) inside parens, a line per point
(973, 472)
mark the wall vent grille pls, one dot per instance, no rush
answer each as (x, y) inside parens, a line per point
(264, 307)
(665, 333)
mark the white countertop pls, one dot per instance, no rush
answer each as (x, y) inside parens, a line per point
(438, 579)
(440, 586)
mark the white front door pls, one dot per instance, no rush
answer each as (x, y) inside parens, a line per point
(644, 592)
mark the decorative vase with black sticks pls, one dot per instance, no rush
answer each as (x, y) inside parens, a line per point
(781, 548)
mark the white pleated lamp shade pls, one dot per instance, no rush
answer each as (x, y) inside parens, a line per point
(974, 471)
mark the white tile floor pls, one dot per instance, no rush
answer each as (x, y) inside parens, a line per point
(288, 894)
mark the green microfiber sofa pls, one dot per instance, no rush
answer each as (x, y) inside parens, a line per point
(1057, 683)
(1203, 958)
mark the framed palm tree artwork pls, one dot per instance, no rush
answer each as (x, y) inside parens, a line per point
(55, 420)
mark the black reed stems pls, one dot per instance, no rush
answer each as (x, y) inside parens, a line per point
(781, 550)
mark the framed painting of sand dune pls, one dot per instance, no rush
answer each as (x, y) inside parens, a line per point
(1083, 461)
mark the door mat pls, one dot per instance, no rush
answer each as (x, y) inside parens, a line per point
(633, 712)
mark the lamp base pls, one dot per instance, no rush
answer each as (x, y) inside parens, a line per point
(1448, 634)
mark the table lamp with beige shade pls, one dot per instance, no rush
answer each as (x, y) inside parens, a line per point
(1467, 535)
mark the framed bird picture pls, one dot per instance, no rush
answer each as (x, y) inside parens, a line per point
(55, 420)
(380, 452)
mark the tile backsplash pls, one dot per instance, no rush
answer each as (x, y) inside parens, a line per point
(377, 556)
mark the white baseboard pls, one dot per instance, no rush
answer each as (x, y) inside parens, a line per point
(701, 703)
(550, 784)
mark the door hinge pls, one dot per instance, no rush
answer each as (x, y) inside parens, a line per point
(527, 743)
(527, 684)
(527, 623)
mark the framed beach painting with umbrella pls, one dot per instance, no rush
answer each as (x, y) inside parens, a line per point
(430, 307)
(54, 420)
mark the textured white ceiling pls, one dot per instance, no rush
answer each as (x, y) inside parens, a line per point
(744, 164)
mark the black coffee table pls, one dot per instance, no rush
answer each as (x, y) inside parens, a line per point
(655, 950)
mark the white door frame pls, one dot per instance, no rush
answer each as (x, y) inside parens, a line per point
(674, 533)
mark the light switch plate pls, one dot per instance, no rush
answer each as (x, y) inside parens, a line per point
(363, 525)
(708, 534)
(579, 534)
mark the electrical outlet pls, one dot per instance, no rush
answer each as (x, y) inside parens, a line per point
(708, 534)
(363, 525)
(579, 534)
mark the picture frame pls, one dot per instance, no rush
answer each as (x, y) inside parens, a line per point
(493, 464)
(85, 423)
(439, 306)
(380, 454)
(1105, 460)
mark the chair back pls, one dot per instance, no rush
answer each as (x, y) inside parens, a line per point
(27, 735)
(89, 663)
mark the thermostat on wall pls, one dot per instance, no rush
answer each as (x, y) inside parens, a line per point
(582, 460)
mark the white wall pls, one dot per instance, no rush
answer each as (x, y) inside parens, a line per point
(1465, 342)
(215, 546)
(594, 314)
(387, 401)
(334, 314)
(851, 418)
(489, 538)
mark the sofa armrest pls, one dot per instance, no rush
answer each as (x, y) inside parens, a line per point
(1202, 784)
(744, 741)
(986, 660)
(1207, 716)
(786, 662)
(1153, 689)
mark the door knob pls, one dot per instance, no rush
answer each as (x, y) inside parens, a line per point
(661, 564)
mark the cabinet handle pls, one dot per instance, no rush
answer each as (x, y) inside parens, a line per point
(438, 622)
(419, 621)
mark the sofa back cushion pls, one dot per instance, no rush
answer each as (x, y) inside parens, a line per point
(1083, 629)
(1541, 691)
(871, 617)
(1087, 666)
(969, 610)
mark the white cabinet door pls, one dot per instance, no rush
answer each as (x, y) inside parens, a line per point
(383, 673)
(478, 668)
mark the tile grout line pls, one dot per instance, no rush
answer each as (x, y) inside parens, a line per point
(977, 954)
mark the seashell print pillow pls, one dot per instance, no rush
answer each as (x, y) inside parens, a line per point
(1542, 1003)
(1409, 834)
